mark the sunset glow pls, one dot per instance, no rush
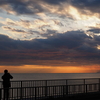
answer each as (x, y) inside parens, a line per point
(51, 69)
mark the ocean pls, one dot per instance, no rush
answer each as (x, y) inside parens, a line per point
(50, 76)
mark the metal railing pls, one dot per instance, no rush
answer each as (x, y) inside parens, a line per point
(34, 83)
(40, 92)
(39, 89)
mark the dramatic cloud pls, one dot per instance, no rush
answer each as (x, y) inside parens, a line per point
(94, 30)
(87, 5)
(13, 30)
(22, 6)
(50, 32)
(55, 1)
(73, 47)
(33, 6)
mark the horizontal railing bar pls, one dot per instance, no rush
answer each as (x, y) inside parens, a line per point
(51, 86)
(54, 79)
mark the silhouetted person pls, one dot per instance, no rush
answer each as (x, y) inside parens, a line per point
(6, 83)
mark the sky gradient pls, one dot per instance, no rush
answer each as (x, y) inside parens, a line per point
(50, 36)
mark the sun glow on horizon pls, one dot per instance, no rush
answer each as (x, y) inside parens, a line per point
(50, 69)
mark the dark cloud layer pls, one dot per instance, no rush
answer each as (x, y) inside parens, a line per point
(74, 47)
(22, 6)
(94, 30)
(55, 1)
(33, 6)
(13, 29)
(83, 5)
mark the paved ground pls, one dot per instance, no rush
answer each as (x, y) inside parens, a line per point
(88, 96)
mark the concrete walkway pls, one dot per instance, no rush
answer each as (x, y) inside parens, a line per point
(87, 96)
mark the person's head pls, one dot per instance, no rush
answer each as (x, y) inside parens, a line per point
(5, 71)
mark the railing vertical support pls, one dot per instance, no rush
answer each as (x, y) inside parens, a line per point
(45, 88)
(35, 93)
(66, 82)
(0, 94)
(63, 91)
(66, 87)
(99, 84)
(21, 91)
(84, 86)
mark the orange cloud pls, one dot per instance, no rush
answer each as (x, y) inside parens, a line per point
(50, 69)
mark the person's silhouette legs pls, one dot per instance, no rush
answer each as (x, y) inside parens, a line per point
(6, 93)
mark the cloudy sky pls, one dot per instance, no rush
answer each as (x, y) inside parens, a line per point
(50, 36)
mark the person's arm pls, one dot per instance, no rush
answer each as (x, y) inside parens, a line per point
(11, 77)
(2, 77)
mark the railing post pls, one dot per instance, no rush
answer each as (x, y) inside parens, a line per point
(45, 88)
(84, 86)
(35, 93)
(63, 91)
(66, 82)
(1, 85)
(66, 87)
(99, 84)
(21, 91)
(0, 94)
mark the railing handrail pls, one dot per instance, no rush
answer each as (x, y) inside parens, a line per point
(50, 86)
(54, 79)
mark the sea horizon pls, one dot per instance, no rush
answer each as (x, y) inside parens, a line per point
(52, 76)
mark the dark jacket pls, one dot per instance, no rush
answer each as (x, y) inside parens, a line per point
(6, 80)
